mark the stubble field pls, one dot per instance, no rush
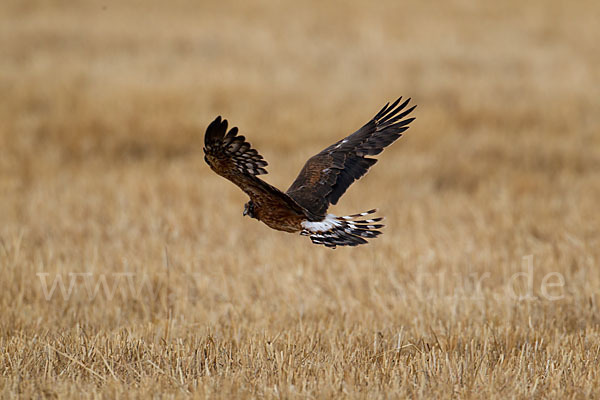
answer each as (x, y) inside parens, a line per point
(127, 269)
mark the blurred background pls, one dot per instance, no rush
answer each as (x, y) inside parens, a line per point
(103, 107)
(88, 82)
(507, 93)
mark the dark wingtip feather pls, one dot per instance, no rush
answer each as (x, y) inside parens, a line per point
(233, 146)
(382, 111)
(392, 114)
(215, 131)
(387, 108)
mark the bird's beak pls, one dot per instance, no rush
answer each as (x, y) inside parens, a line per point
(245, 212)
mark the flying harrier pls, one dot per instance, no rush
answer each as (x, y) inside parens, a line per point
(321, 182)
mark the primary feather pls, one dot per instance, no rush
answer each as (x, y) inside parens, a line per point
(232, 146)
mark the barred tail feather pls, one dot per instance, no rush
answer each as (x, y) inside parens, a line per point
(343, 231)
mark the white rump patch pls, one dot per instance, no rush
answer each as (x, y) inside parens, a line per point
(325, 225)
(335, 231)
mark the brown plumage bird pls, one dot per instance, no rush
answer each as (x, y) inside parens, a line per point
(321, 182)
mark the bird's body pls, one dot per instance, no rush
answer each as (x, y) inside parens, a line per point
(321, 182)
(269, 204)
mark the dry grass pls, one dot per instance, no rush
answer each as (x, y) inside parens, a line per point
(102, 182)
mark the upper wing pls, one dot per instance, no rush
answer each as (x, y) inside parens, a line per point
(326, 176)
(226, 151)
(230, 156)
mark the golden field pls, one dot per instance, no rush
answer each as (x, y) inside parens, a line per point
(485, 283)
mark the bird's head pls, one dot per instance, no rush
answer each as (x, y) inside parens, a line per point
(249, 209)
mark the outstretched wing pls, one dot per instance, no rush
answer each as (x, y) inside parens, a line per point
(230, 150)
(229, 155)
(326, 176)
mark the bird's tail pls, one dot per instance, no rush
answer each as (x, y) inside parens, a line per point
(349, 230)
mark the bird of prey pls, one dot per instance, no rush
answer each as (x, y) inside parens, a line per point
(321, 182)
